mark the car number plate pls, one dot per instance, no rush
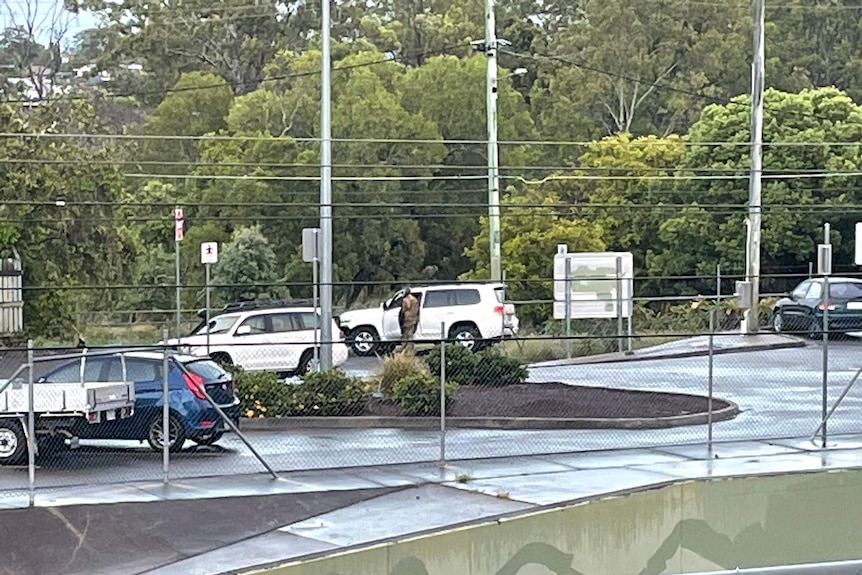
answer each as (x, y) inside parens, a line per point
(854, 305)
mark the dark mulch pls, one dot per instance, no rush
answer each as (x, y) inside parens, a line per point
(563, 401)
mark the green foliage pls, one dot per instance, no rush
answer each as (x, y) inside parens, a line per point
(493, 368)
(397, 367)
(330, 393)
(261, 394)
(488, 367)
(418, 395)
(461, 363)
(247, 266)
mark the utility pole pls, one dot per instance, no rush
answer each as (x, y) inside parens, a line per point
(493, 150)
(326, 334)
(752, 248)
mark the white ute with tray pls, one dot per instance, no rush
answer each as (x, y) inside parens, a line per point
(59, 409)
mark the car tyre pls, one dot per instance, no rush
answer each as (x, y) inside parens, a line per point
(177, 435)
(222, 359)
(13, 443)
(777, 321)
(466, 335)
(304, 363)
(364, 341)
(211, 440)
(815, 329)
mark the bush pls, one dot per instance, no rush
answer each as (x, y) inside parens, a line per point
(260, 394)
(330, 393)
(461, 364)
(395, 369)
(495, 369)
(418, 394)
(488, 367)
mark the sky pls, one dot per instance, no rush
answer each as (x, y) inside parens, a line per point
(16, 11)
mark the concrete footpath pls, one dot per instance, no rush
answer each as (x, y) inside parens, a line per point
(218, 525)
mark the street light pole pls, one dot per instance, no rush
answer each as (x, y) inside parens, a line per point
(325, 192)
(752, 268)
(493, 150)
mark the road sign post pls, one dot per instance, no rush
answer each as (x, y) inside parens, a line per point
(311, 254)
(824, 268)
(178, 237)
(209, 256)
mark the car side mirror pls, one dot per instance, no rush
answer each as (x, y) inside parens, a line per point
(243, 330)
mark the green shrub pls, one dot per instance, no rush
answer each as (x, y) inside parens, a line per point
(330, 393)
(495, 369)
(396, 368)
(419, 395)
(461, 364)
(260, 394)
(488, 367)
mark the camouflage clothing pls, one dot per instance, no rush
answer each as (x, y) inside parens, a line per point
(409, 319)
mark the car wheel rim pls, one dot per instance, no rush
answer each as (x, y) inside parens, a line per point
(8, 443)
(363, 341)
(465, 338)
(157, 435)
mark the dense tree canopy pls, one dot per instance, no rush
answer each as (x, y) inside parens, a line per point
(623, 126)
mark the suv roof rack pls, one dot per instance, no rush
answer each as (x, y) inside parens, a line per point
(257, 304)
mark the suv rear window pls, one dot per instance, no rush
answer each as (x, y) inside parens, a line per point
(451, 297)
(209, 370)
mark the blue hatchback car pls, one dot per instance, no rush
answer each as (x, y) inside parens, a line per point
(192, 417)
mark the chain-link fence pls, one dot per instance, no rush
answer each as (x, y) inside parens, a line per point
(246, 395)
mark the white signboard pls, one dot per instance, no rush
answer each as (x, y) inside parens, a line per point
(593, 285)
(310, 244)
(209, 252)
(858, 255)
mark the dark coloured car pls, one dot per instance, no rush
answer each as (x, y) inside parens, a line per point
(192, 417)
(802, 310)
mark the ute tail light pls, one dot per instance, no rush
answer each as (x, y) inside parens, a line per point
(195, 383)
(507, 309)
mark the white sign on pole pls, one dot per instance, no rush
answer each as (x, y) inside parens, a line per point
(178, 218)
(310, 244)
(593, 285)
(209, 252)
(858, 258)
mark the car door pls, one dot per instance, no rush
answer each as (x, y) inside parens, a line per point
(288, 339)
(250, 343)
(436, 309)
(391, 309)
(147, 377)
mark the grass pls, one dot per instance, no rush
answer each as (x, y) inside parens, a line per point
(542, 348)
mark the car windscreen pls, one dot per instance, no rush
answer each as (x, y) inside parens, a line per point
(845, 290)
(209, 370)
(220, 324)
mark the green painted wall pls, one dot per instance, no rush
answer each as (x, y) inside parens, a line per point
(684, 528)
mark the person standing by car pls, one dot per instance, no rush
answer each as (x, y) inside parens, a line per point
(408, 319)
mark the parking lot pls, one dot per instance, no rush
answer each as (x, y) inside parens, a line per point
(778, 391)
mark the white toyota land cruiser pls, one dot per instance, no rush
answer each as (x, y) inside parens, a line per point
(471, 314)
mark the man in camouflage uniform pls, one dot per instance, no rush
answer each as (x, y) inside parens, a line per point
(408, 319)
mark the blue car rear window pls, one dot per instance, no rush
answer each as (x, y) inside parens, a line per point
(209, 370)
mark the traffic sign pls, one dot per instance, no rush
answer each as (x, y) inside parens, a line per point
(209, 252)
(178, 218)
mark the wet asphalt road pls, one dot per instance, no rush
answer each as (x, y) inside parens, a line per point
(778, 391)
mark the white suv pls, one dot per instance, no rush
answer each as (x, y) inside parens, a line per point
(273, 339)
(473, 314)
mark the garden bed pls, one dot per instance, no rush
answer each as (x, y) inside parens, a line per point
(558, 400)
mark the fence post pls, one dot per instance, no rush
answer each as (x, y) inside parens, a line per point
(442, 393)
(166, 413)
(825, 377)
(568, 303)
(710, 379)
(31, 427)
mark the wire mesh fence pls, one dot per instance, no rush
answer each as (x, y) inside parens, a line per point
(682, 374)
